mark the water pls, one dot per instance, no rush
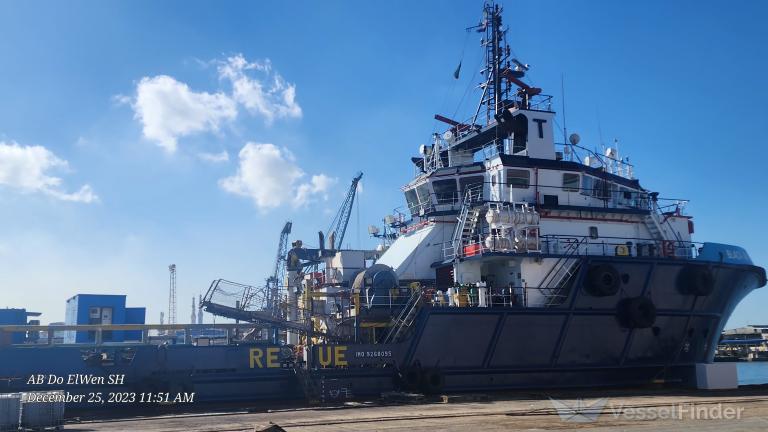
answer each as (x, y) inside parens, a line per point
(752, 372)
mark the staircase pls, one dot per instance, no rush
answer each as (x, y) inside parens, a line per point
(654, 227)
(406, 317)
(557, 292)
(557, 279)
(467, 222)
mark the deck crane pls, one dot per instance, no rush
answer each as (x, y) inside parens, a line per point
(278, 275)
(338, 226)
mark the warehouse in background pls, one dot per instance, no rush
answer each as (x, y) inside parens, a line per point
(102, 309)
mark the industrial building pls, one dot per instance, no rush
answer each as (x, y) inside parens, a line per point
(102, 309)
(744, 343)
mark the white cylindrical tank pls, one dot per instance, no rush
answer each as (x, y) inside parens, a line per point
(497, 243)
(451, 292)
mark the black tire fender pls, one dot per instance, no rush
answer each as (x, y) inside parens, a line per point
(696, 280)
(412, 378)
(637, 312)
(432, 381)
(602, 280)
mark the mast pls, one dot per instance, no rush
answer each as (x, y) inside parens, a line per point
(497, 53)
(503, 73)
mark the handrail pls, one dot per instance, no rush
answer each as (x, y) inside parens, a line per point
(573, 250)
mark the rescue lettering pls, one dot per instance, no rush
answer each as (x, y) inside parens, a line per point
(261, 357)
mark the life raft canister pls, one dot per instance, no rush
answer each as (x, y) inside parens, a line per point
(696, 279)
(602, 280)
(636, 312)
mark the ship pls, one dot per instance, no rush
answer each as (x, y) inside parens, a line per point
(517, 262)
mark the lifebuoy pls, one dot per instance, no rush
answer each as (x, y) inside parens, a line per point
(602, 280)
(637, 312)
(696, 279)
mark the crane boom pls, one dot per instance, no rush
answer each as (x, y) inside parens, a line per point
(339, 223)
(274, 281)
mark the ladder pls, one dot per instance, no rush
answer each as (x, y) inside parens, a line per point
(466, 223)
(405, 318)
(654, 227)
(561, 273)
(556, 294)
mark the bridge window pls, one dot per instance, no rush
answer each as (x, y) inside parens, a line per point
(588, 186)
(412, 200)
(475, 183)
(518, 179)
(602, 189)
(445, 191)
(571, 182)
(423, 191)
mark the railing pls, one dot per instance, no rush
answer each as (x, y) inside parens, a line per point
(187, 331)
(470, 297)
(603, 246)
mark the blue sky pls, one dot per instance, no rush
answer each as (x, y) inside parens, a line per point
(110, 109)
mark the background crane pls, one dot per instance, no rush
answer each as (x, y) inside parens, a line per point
(338, 227)
(275, 281)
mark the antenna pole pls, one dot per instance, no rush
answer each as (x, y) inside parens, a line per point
(172, 295)
(562, 92)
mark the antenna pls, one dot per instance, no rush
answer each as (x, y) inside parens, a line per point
(193, 317)
(565, 125)
(172, 295)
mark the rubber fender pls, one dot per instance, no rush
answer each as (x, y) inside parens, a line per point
(432, 381)
(637, 312)
(696, 279)
(412, 378)
(602, 280)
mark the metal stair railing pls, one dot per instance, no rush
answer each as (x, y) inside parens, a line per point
(563, 269)
(657, 229)
(556, 295)
(405, 318)
(462, 231)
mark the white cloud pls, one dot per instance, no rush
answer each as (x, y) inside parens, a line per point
(28, 169)
(168, 109)
(271, 177)
(318, 186)
(268, 95)
(222, 156)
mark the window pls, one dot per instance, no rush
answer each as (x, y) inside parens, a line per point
(602, 189)
(475, 183)
(518, 179)
(571, 182)
(588, 186)
(593, 232)
(423, 192)
(625, 197)
(412, 200)
(445, 191)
